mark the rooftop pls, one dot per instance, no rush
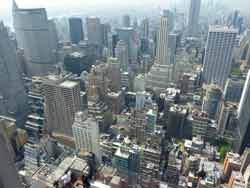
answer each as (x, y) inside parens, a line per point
(68, 84)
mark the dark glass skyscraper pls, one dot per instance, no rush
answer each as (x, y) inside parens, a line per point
(76, 30)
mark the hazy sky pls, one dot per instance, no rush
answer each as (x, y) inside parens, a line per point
(65, 7)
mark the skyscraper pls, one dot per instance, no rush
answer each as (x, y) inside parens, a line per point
(76, 30)
(33, 36)
(126, 20)
(218, 55)
(162, 42)
(86, 133)
(126, 34)
(194, 14)
(62, 101)
(243, 117)
(121, 53)
(211, 101)
(94, 30)
(161, 73)
(145, 28)
(12, 93)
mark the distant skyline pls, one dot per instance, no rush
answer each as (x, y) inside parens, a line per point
(67, 7)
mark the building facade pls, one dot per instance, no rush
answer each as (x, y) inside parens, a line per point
(218, 55)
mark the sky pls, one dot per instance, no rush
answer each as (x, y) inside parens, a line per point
(66, 7)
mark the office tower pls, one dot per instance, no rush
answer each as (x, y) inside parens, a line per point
(8, 173)
(114, 74)
(126, 34)
(12, 94)
(172, 37)
(126, 81)
(218, 55)
(162, 42)
(35, 121)
(76, 30)
(77, 62)
(244, 53)
(126, 161)
(161, 72)
(227, 120)
(194, 14)
(96, 107)
(140, 100)
(126, 20)
(176, 119)
(211, 101)
(243, 117)
(170, 17)
(139, 83)
(121, 52)
(233, 89)
(94, 31)
(151, 117)
(145, 28)
(106, 29)
(53, 36)
(33, 35)
(86, 134)
(62, 101)
(116, 101)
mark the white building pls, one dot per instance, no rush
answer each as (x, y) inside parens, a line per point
(139, 83)
(218, 55)
(86, 133)
(194, 14)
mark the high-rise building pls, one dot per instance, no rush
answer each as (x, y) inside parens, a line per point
(121, 52)
(86, 134)
(145, 28)
(126, 34)
(172, 39)
(161, 73)
(8, 173)
(33, 36)
(194, 14)
(218, 55)
(233, 89)
(62, 101)
(126, 20)
(78, 62)
(114, 74)
(12, 93)
(106, 29)
(94, 30)
(162, 42)
(76, 30)
(211, 101)
(35, 121)
(243, 116)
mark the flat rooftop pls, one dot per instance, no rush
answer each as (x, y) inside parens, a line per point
(68, 84)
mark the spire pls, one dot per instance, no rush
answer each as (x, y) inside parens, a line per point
(14, 5)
